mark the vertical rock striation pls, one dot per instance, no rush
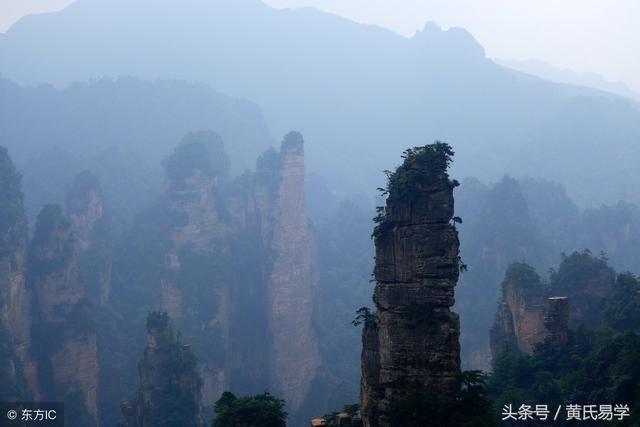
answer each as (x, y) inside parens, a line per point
(66, 339)
(85, 208)
(15, 297)
(520, 318)
(199, 241)
(412, 345)
(170, 387)
(293, 279)
(240, 269)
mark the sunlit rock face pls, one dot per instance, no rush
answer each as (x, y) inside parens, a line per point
(66, 338)
(413, 342)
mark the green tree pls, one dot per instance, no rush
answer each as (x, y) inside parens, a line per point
(261, 410)
(622, 307)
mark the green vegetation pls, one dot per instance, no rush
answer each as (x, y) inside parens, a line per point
(51, 219)
(421, 167)
(432, 158)
(579, 268)
(262, 410)
(173, 365)
(365, 316)
(332, 419)
(622, 307)
(157, 320)
(596, 367)
(203, 151)
(470, 408)
(523, 276)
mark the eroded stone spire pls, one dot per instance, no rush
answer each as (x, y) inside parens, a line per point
(411, 349)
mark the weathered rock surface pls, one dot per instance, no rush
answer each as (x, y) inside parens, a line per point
(413, 342)
(66, 340)
(170, 387)
(293, 279)
(86, 211)
(531, 312)
(15, 297)
(262, 290)
(194, 201)
(520, 318)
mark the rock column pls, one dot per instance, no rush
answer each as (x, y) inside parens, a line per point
(411, 348)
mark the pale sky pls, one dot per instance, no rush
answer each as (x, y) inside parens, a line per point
(599, 36)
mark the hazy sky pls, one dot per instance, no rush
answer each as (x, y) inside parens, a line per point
(600, 36)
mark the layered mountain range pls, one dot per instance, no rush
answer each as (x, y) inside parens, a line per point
(380, 92)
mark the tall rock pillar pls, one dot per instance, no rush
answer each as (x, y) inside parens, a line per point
(85, 207)
(411, 349)
(66, 337)
(294, 348)
(15, 298)
(170, 385)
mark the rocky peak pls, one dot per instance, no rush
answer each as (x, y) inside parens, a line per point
(170, 386)
(587, 280)
(454, 43)
(194, 170)
(91, 228)
(532, 312)
(13, 222)
(159, 331)
(66, 342)
(85, 207)
(15, 297)
(53, 265)
(292, 290)
(412, 344)
(519, 321)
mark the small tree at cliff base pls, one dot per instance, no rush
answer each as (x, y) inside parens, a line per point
(262, 410)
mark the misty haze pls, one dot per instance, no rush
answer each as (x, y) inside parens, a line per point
(231, 213)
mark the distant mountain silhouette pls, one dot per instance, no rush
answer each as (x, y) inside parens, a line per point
(360, 94)
(552, 73)
(121, 130)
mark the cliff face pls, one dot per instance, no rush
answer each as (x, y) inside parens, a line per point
(531, 312)
(66, 341)
(240, 271)
(293, 279)
(85, 208)
(520, 318)
(198, 236)
(170, 387)
(412, 345)
(15, 297)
